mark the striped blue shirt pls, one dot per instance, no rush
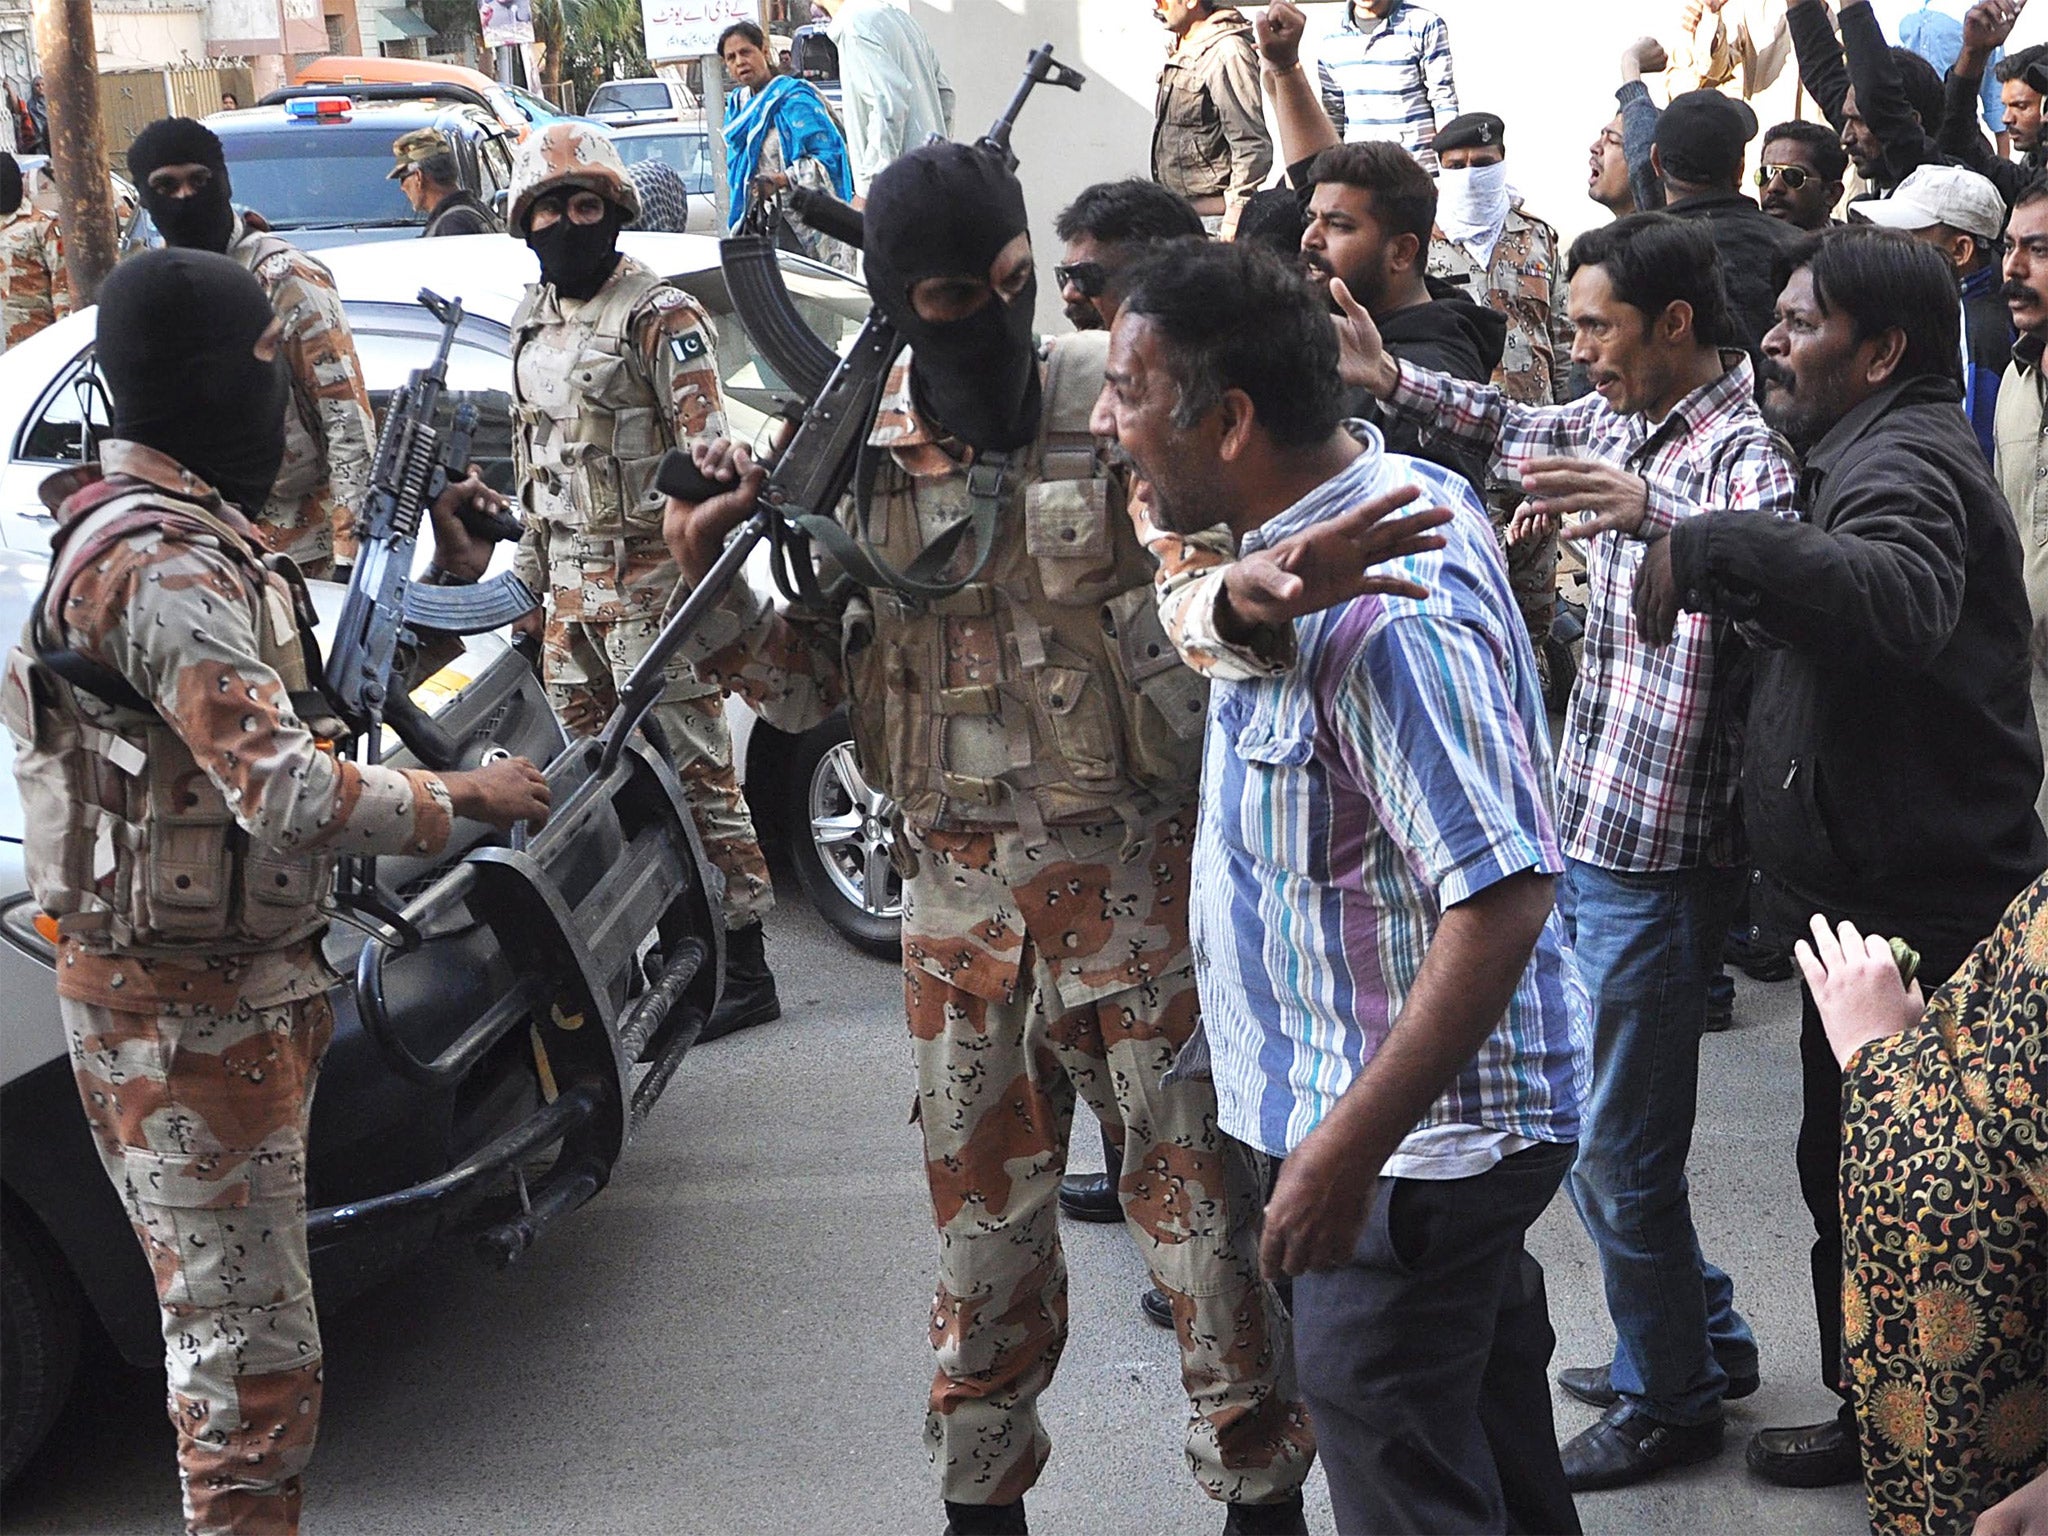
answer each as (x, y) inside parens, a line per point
(1400, 767)
(1389, 78)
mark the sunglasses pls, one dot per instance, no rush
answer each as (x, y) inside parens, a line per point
(1087, 277)
(1794, 176)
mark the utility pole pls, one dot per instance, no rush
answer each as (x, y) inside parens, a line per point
(78, 144)
(722, 191)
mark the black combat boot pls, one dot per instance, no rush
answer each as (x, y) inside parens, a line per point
(986, 1519)
(749, 997)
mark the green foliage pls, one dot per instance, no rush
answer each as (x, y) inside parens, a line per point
(591, 41)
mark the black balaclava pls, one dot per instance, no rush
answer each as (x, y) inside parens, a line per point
(946, 210)
(10, 184)
(204, 221)
(577, 258)
(176, 329)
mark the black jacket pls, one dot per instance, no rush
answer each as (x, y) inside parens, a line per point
(1449, 334)
(1891, 762)
(1750, 242)
(460, 214)
(1964, 142)
(1862, 57)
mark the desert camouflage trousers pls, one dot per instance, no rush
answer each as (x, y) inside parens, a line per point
(200, 1118)
(997, 1085)
(596, 633)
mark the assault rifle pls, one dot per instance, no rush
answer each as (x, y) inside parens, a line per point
(838, 396)
(414, 464)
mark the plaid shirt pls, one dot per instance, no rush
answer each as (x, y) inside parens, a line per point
(1390, 78)
(1652, 748)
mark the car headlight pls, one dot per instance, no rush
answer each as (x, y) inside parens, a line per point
(31, 928)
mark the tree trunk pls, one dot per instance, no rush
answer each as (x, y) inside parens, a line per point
(78, 144)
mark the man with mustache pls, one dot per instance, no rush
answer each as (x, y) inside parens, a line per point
(1371, 211)
(1886, 102)
(1107, 228)
(1646, 790)
(1800, 177)
(2022, 448)
(2021, 77)
(1890, 763)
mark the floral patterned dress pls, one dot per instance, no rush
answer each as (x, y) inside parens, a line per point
(1945, 1223)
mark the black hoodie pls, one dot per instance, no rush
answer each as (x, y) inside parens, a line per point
(1447, 333)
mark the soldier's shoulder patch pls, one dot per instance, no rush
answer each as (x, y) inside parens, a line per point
(666, 298)
(687, 347)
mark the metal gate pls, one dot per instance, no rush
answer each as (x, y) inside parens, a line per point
(132, 99)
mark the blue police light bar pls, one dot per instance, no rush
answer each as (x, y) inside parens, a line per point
(319, 108)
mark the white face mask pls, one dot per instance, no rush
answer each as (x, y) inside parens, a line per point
(1472, 204)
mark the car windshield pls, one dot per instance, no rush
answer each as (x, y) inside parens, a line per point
(534, 109)
(650, 97)
(687, 154)
(309, 175)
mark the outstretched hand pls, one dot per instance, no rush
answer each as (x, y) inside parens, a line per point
(1617, 499)
(1361, 356)
(1330, 563)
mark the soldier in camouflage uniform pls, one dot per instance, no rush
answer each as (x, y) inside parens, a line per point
(34, 289)
(1040, 741)
(330, 434)
(1506, 258)
(182, 826)
(611, 367)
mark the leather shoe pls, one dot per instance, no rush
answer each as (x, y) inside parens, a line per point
(1594, 1384)
(1628, 1446)
(1284, 1517)
(1156, 1307)
(1807, 1456)
(1090, 1197)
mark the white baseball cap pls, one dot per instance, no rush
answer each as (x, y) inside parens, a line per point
(1939, 194)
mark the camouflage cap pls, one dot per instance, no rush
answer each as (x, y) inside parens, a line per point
(416, 148)
(569, 155)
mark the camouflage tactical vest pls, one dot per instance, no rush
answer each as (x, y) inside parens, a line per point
(1087, 712)
(303, 470)
(591, 428)
(128, 844)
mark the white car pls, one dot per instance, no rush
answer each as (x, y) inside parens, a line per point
(651, 99)
(435, 1107)
(806, 789)
(686, 150)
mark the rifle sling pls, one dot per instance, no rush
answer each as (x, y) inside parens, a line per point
(988, 481)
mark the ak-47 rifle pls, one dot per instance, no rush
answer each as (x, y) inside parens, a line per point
(414, 464)
(839, 396)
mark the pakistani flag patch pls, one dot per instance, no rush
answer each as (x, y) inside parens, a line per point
(687, 348)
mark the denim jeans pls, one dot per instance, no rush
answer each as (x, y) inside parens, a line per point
(1646, 946)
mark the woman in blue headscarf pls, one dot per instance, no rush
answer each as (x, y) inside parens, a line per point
(779, 132)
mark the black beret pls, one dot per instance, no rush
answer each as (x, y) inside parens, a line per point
(1475, 130)
(1701, 137)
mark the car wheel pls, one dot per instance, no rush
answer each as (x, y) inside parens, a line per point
(39, 1331)
(838, 830)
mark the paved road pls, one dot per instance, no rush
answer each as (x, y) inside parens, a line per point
(731, 1339)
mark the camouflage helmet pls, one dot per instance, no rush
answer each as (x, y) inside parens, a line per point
(569, 155)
